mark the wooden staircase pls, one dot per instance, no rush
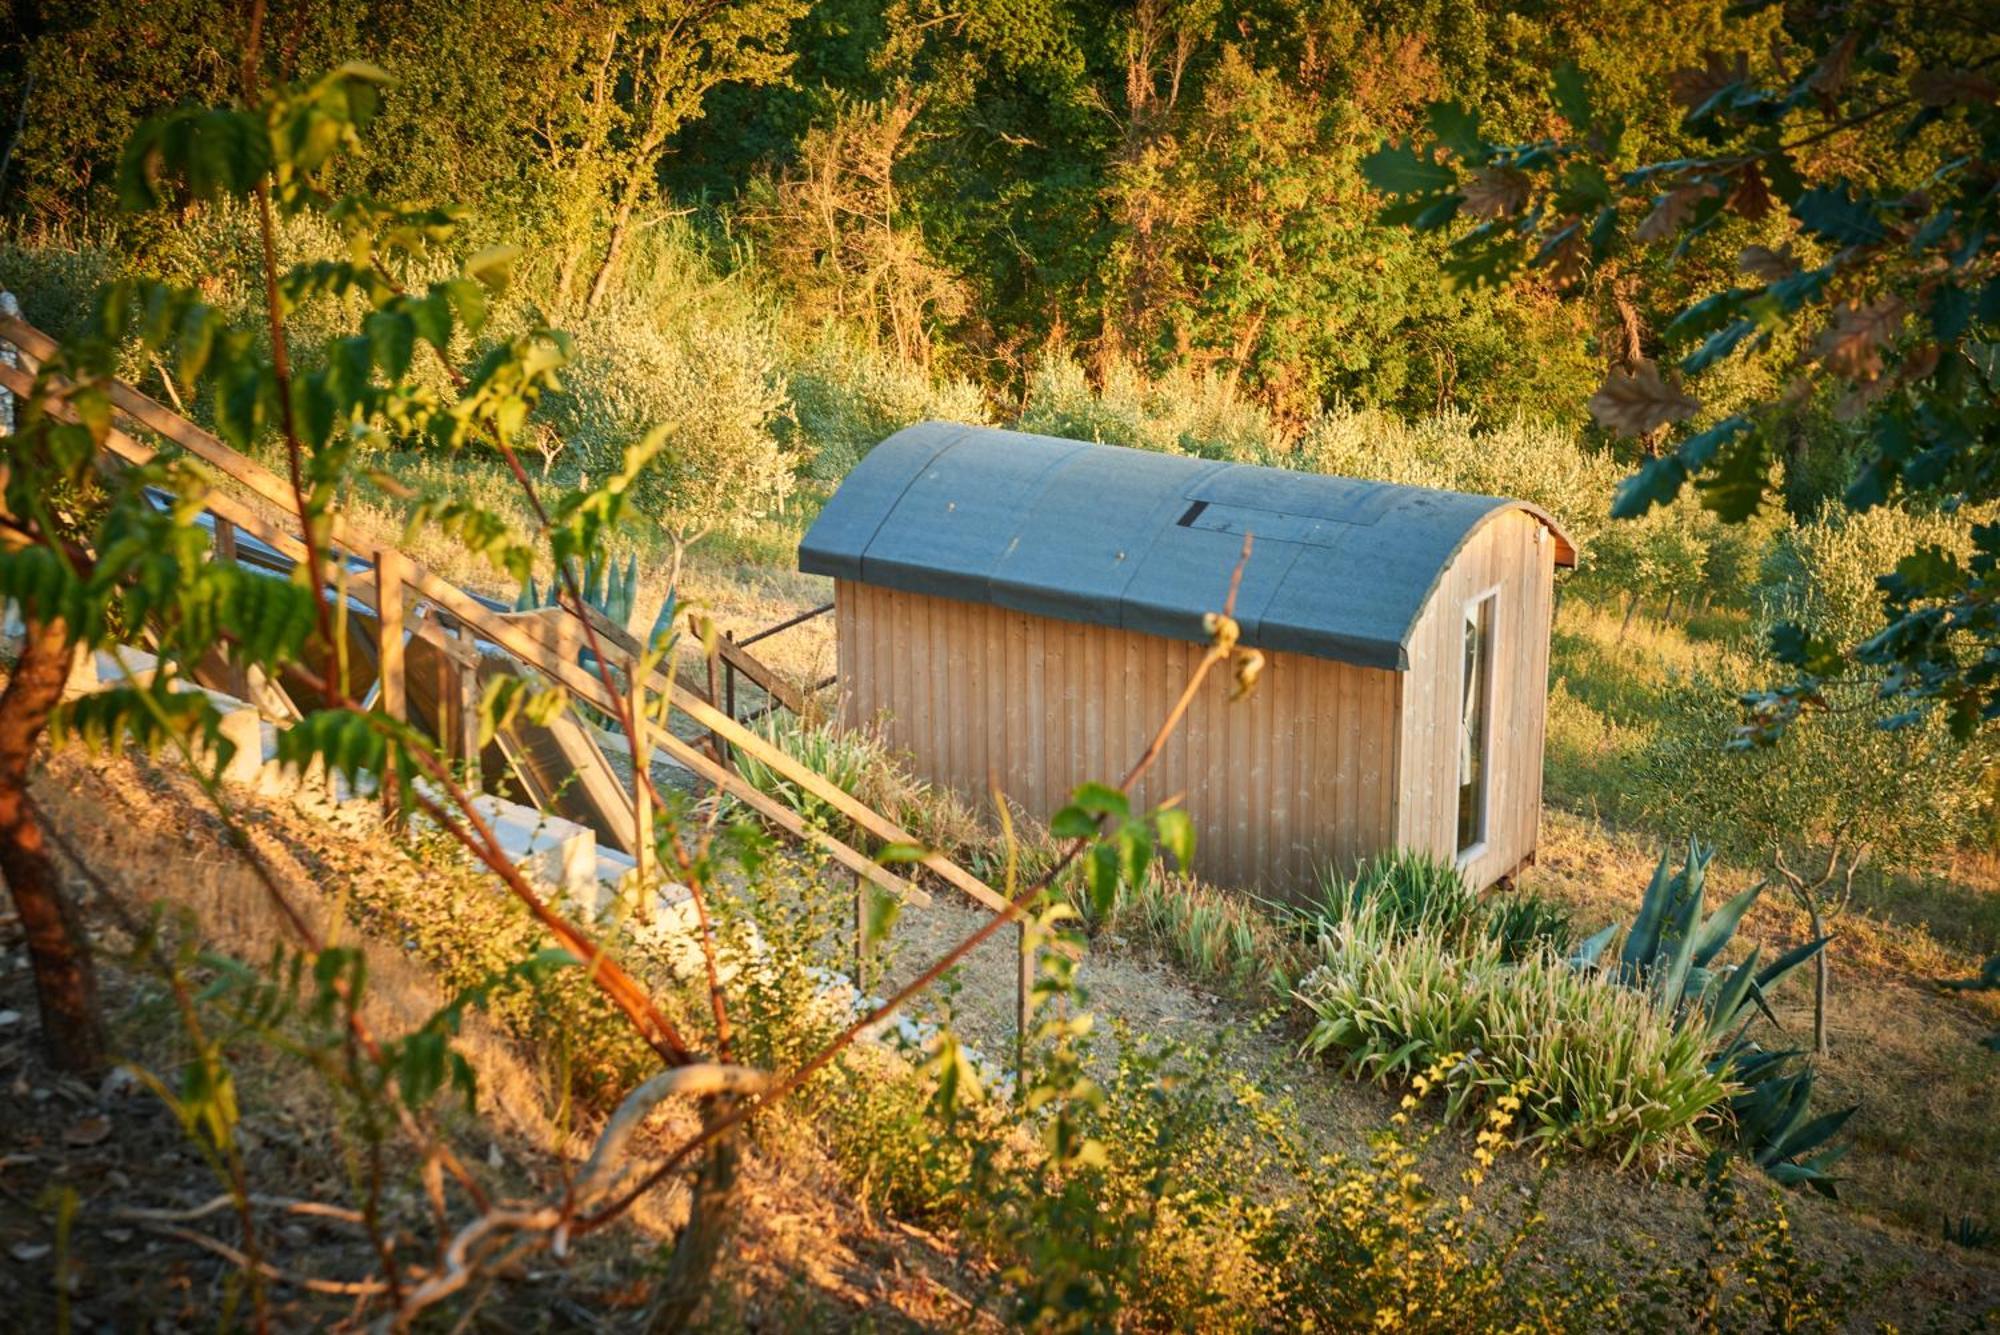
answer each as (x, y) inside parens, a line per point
(429, 642)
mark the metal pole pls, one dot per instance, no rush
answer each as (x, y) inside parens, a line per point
(729, 683)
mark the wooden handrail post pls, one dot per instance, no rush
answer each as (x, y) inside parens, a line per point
(390, 612)
(468, 702)
(642, 802)
(393, 700)
(715, 737)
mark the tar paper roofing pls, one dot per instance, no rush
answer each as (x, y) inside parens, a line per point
(1340, 568)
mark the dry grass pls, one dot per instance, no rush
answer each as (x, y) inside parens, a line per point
(1926, 1141)
(1927, 1145)
(805, 1255)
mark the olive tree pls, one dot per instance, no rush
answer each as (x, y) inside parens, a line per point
(714, 389)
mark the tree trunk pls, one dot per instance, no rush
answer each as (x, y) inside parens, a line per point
(711, 1219)
(65, 984)
(621, 226)
(1631, 609)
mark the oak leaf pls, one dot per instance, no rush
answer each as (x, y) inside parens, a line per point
(1495, 192)
(1640, 403)
(1942, 88)
(1770, 265)
(1671, 210)
(1566, 255)
(1751, 198)
(1692, 86)
(1852, 345)
(1832, 73)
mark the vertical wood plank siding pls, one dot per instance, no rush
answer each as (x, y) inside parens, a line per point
(1512, 556)
(1041, 706)
(1326, 763)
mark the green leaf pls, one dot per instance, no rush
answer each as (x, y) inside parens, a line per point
(1643, 944)
(1721, 925)
(1660, 480)
(430, 317)
(1717, 346)
(392, 340)
(899, 853)
(1809, 1137)
(468, 299)
(1832, 214)
(1780, 968)
(1101, 870)
(1398, 169)
(1569, 88)
(1734, 994)
(1458, 130)
(1135, 854)
(1950, 312)
(1733, 486)
(203, 152)
(1176, 833)
(1073, 822)
(1586, 954)
(492, 266)
(1657, 482)
(879, 914)
(1706, 315)
(1102, 800)
(1585, 188)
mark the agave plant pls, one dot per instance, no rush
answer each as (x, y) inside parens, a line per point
(1671, 952)
(611, 591)
(1966, 1231)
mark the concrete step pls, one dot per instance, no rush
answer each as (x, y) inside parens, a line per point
(549, 849)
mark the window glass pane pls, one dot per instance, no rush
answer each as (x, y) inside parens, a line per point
(1477, 688)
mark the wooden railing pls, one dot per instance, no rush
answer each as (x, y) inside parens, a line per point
(406, 599)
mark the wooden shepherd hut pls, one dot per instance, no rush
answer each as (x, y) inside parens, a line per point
(1022, 611)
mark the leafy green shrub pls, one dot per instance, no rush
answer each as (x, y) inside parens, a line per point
(1145, 1223)
(1750, 1275)
(714, 386)
(1594, 1064)
(1219, 936)
(55, 279)
(1404, 891)
(1526, 923)
(1180, 413)
(847, 397)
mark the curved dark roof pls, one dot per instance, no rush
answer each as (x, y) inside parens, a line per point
(1144, 541)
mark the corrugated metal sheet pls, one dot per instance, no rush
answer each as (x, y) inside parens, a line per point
(1104, 535)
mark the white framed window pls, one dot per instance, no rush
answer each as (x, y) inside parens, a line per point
(1475, 723)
